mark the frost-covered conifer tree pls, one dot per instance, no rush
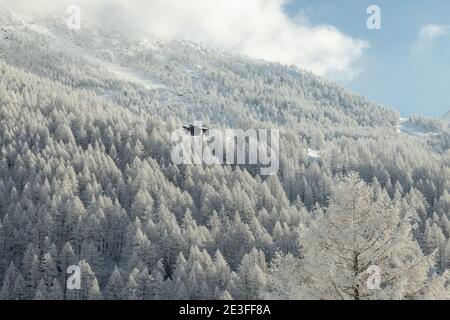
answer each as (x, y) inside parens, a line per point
(362, 248)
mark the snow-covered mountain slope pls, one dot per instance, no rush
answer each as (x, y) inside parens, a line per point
(189, 82)
(183, 80)
(87, 176)
(191, 76)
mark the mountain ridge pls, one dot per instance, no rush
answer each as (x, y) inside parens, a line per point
(113, 49)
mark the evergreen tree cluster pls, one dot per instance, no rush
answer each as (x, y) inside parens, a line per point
(86, 179)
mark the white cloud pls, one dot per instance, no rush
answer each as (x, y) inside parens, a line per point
(430, 32)
(256, 28)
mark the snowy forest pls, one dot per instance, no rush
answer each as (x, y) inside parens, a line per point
(86, 178)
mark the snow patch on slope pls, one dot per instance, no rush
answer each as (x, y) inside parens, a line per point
(84, 45)
(313, 154)
(407, 127)
(127, 74)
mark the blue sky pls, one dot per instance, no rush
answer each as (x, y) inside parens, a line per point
(401, 69)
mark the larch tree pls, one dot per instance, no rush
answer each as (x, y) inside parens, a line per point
(41, 291)
(252, 276)
(362, 248)
(55, 292)
(115, 286)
